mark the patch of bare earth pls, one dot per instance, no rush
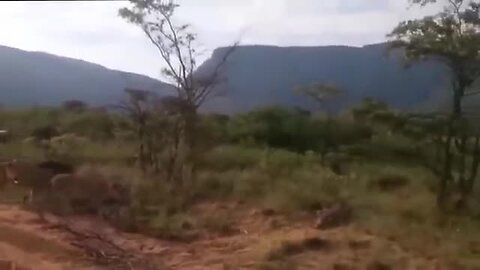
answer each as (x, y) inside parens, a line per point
(245, 239)
(259, 234)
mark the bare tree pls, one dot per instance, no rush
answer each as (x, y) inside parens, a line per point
(136, 107)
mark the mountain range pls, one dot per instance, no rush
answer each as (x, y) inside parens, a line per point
(41, 79)
(256, 76)
(266, 75)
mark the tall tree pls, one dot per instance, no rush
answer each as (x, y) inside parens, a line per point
(451, 37)
(178, 50)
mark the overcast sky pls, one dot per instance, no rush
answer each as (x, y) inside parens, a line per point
(92, 31)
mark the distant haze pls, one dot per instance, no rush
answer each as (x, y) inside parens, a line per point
(92, 31)
(256, 76)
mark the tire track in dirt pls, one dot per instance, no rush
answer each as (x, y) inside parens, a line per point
(23, 242)
(252, 240)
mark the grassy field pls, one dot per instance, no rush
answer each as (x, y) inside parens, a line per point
(279, 165)
(392, 200)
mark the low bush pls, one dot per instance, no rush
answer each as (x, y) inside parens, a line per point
(389, 182)
(231, 157)
(288, 248)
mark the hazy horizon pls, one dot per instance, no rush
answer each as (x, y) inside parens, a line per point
(93, 32)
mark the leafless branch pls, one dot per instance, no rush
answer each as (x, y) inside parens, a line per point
(207, 85)
(165, 57)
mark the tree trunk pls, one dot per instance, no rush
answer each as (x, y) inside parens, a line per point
(191, 158)
(446, 172)
(462, 149)
(141, 146)
(173, 153)
(446, 178)
(475, 164)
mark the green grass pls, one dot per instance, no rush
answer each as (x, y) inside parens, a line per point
(288, 183)
(12, 195)
(106, 153)
(409, 215)
(20, 150)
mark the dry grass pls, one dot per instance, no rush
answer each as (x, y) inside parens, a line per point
(395, 199)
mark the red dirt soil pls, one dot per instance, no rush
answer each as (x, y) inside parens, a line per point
(253, 235)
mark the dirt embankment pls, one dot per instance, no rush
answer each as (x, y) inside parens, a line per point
(255, 240)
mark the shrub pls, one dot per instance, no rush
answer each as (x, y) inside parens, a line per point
(212, 185)
(251, 184)
(276, 127)
(281, 162)
(290, 248)
(389, 182)
(45, 132)
(219, 223)
(305, 190)
(95, 125)
(88, 191)
(171, 227)
(66, 146)
(231, 157)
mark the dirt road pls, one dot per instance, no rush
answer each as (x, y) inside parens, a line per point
(256, 241)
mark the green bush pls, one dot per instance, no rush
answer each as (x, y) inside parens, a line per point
(306, 191)
(171, 227)
(276, 127)
(95, 125)
(115, 152)
(231, 157)
(280, 161)
(66, 147)
(20, 150)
